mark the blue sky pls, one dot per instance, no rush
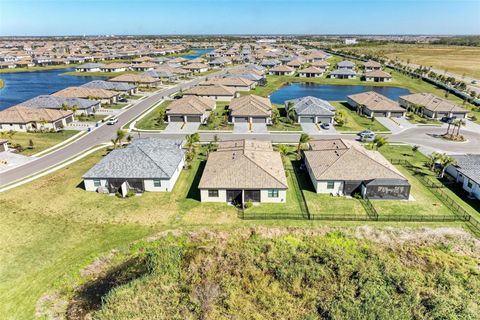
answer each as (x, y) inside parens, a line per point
(68, 17)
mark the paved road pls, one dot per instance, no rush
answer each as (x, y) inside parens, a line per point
(99, 135)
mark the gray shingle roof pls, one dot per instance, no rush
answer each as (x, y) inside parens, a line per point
(147, 158)
(312, 106)
(54, 102)
(345, 64)
(90, 66)
(107, 85)
(469, 165)
(343, 71)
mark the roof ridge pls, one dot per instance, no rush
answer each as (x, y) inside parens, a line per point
(148, 156)
(268, 173)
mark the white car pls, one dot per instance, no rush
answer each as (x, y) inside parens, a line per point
(112, 121)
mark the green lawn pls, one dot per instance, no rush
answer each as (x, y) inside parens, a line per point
(91, 118)
(41, 141)
(356, 122)
(31, 69)
(418, 119)
(150, 121)
(219, 118)
(114, 105)
(133, 97)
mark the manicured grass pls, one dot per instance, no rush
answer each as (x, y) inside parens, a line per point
(283, 124)
(31, 69)
(133, 97)
(219, 120)
(41, 141)
(356, 122)
(418, 119)
(150, 121)
(114, 105)
(91, 118)
(319, 204)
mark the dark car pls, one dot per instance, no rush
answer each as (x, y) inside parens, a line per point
(448, 119)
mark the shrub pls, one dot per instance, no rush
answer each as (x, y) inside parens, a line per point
(248, 204)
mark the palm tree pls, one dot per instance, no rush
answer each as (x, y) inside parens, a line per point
(458, 124)
(120, 136)
(191, 140)
(304, 138)
(433, 158)
(446, 161)
(290, 110)
(283, 150)
(379, 142)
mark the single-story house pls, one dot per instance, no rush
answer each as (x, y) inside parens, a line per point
(144, 66)
(3, 145)
(89, 67)
(312, 110)
(295, 63)
(237, 83)
(122, 87)
(251, 109)
(281, 70)
(137, 80)
(141, 60)
(371, 65)
(215, 92)
(219, 62)
(270, 63)
(196, 67)
(160, 74)
(346, 65)
(432, 106)
(147, 164)
(343, 73)
(115, 67)
(243, 171)
(466, 172)
(373, 104)
(258, 79)
(82, 106)
(179, 60)
(24, 119)
(190, 109)
(104, 96)
(316, 56)
(377, 76)
(321, 64)
(342, 167)
(311, 72)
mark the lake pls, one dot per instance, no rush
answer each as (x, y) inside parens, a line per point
(21, 86)
(196, 54)
(331, 92)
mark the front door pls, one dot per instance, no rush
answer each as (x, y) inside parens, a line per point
(234, 196)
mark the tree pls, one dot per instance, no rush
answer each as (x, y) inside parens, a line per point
(290, 110)
(340, 118)
(119, 138)
(304, 138)
(31, 145)
(445, 161)
(275, 115)
(191, 139)
(160, 116)
(284, 151)
(433, 158)
(379, 142)
(415, 148)
(458, 123)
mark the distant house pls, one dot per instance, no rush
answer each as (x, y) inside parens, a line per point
(236, 83)
(316, 56)
(346, 65)
(123, 87)
(215, 92)
(89, 67)
(258, 79)
(149, 164)
(137, 80)
(343, 74)
(190, 109)
(466, 172)
(311, 72)
(144, 66)
(295, 63)
(312, 110)
(251, 109)
(219, 62)
(373, 104)
(343, 167)
(281, 70)
(432, 106)
(377, 76)
(104, 96)
(3, 145)
(321, 64)
(196, 67)
(24, 119)
(161, 74)
(244, 171)
(269, 63)
(115, 67)
(85, 106)
(371, 65)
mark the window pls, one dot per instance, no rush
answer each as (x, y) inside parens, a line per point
(213, 193)
(96, 183)
(273, 193)
(469, 184)
(157, 183)
(330, 184)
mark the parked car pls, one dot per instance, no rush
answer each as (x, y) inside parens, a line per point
(325, 125)
(123, 100)
(368, 137)
(364, 132)
(448, 119)
(112, 121)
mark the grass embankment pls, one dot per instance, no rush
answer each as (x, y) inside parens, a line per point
(41, 141)
(151, 120)
(281, 275)
(32, 69)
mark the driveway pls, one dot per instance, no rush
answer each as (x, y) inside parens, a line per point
(310, 128)
(10, 160)
(241, 127)
(181, 127)
(259, 128)
(191, 127)
(395, 125)
(472, 126)
(174, 127)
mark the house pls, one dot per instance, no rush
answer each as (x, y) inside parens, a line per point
(122, 87)
(466, 173)
(89, 67)
(161, 74)
(236, 83)
(243, 171)
(311, 72)
(104, 96)
(342, 167)
(190, 109)
(144, 66)
(373, 104)
(343, 74)
(3, 145)
(137, 80)
(345, 64)
(215, 92)
(371, 65)
(196, 67)
(377, 76)
(115, 67)
(178, 60)
(81, 106)
(281, 70)
(251, 109)
(219, 62)
(147, 164)
(432, 106)
(321, 64)
(295, 63)
(258, 79)
(24, 119)
(312, 110)
(316, 56)
(269, 63)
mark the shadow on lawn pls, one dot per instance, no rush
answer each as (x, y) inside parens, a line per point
(194, 192)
